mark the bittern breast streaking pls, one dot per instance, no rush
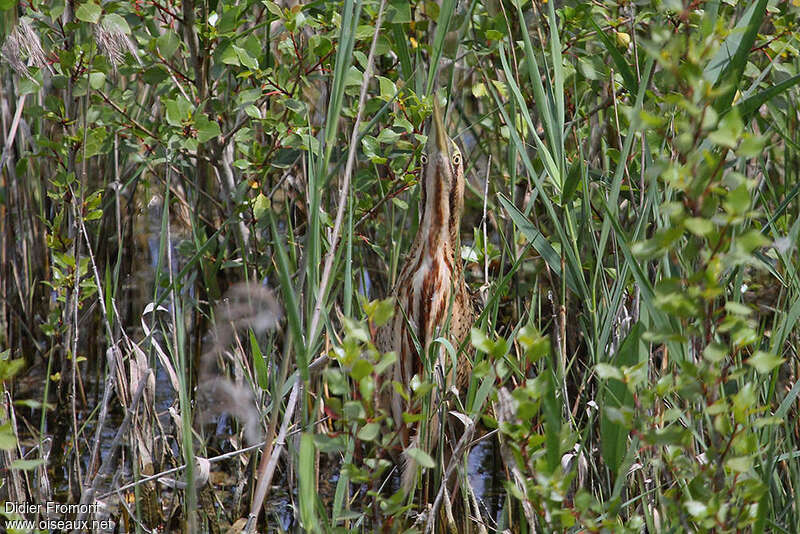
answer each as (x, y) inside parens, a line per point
(430, 293)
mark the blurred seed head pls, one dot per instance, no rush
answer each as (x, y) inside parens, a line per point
(220, 395)
(21, 45)
(114, 42)
(783, 244)
(245, 307)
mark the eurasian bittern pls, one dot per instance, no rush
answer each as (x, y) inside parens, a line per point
(430, 292)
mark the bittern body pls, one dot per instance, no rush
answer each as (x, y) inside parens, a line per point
(430, 294)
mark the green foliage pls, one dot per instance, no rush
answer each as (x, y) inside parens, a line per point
(631, 225)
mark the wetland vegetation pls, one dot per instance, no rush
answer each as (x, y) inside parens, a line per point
(204, 204)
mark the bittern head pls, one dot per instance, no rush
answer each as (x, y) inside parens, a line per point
(442, 198)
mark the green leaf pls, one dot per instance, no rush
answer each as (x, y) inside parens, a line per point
(206, 129)
(421, 457)
(715, 352)
(259, 365)
(751, 240)
(228, 55)
(96, 80)
(89, 12)
(607, 372)
(94, 142)
(369, 432)
(273, 8)
(552, 418)
(372, 149)
(628, 78)
(751, 146)
(388, 136)
(27, 465)
(307, 489)
(353, 76)
(7, 439)
(5, 5)
(388, 88)
(616, 395)
(168, 43)
(9, 368)
(336, 381)
(116, 23)
(659, 244)
(28, 86)
(398, 12)
(361, 368)
(260, 206)
(480, 341)
(737, 201)
(252, 111)
(740, 464)
(573, 181)
(245, 58)
(729, 130)
(353, 410)
(764, 362)
(699, 226)
(178, 110)
(385, 362)
(380, 311)
(155, 75)
(743, 402)
(536, 345)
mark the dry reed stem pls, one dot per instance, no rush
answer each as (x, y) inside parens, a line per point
(266, 479)
(461, 446)
(87, 496)
(12, 131)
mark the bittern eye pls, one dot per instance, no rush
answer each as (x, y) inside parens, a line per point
(456, 159)
(424, 159)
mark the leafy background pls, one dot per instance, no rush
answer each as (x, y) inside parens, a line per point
(631, 229)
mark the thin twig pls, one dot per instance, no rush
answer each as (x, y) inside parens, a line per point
(212, 460)
(348, 171)
(126, 115)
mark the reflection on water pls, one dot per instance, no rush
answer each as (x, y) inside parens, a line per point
(485, 472)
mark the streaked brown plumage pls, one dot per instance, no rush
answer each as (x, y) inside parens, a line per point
(430, 288)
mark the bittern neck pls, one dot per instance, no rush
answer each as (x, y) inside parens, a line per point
(434, 226)
(456, 208)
